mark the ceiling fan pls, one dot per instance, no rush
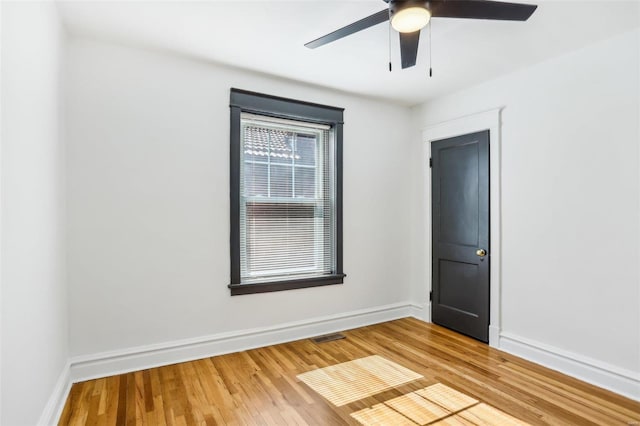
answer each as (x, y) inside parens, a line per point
(408, 17)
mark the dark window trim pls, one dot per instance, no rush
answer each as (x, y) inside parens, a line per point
(238, 289)
(273, 106)
(285, 108)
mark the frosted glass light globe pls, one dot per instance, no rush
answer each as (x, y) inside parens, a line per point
(410, 19)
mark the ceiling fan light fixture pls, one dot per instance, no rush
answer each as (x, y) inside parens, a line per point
(410, 19)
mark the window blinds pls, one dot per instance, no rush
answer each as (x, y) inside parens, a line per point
(287, 219)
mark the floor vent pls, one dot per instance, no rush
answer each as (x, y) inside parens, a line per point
(328, 338)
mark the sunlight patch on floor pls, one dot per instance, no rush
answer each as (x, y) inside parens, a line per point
(434, 405)
(437, 404)
(446, 397)
(351, 381)
(418, 409)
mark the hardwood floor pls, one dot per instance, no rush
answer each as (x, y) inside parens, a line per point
(260, 387)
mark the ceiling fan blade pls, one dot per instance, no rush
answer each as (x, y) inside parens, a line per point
(364, 23)
(409, 48)
(481, 9)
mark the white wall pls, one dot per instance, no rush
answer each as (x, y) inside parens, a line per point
(148, 208)
(570, 199)
(34, 298)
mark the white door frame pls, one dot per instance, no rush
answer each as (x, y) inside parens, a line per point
(488, 120)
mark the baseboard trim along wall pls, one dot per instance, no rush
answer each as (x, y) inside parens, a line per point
(143, 357)
(421, 312)
(52, 411)
(598, 373)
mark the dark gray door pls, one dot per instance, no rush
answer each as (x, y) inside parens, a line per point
(460, 234)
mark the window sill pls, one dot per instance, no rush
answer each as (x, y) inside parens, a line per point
(239, 289)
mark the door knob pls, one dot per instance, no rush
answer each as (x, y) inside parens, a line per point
(481, 252)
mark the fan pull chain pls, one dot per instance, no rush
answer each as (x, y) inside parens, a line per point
(430, 68)
(390, 68)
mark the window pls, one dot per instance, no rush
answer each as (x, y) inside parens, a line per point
(286, 194)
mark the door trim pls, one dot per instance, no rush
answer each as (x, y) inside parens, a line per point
(487, 120)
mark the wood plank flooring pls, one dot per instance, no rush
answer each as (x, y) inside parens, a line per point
(260, 387)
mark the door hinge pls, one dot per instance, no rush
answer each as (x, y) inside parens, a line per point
(430, 162)
(430, 296)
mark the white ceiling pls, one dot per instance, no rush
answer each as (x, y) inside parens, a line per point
(269, 36)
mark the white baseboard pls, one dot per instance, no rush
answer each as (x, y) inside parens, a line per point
(139, 358)
(52, 411)
(618, 380)
(421, 312)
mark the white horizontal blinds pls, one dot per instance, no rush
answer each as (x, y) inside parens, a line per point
(286, 206)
